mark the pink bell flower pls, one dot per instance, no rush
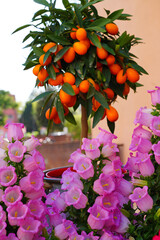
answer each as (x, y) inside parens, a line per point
(105, 184)
(155, 96)
(91, 147)
(142, 133)
(55, 200)
(109, 201)
(1, 194)
(16, 151)
(32, 182)
(155, 125)
(89, 236)
(113, 168)
(3, 226)
(156, 149)
(65, 229)
(14, 131)
(2, 215)
(7, 176)
(36, 208)
(12, 195)
(12, 236)
(123, 225)
(28, 228)
(84, 168)
(109, 149)
(141, 197)
(55, 218)
(31, 143)
(97, 217)
(17, 213)
(76, 237)
(144, 116)
(131, 164)
(3, 163)
(36, 194)
(109, 236)
(2, 154)
(75, 197)
(124, 187)
(76, 155)
(145, 164)
(34, 162)
(140, 144)
(105, 137)
(113, 220)
(3, 143)
(70, 179)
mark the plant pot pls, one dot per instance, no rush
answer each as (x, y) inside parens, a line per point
(52, 177)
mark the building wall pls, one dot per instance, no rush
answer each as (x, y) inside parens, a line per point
(144, 24)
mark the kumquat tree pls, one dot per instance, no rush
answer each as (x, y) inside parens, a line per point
(83, 59)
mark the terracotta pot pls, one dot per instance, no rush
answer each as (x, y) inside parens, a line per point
(52, 177)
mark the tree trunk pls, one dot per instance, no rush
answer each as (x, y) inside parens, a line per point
(84, 124)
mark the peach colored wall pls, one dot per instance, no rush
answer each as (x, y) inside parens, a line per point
(145, 23)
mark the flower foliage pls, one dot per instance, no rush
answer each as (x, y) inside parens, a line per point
(76, 41)
(22, 210)
(90, 201)
(144, 167)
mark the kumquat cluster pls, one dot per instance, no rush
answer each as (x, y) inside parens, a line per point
(81, 58)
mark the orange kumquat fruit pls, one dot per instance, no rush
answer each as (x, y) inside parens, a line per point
(84, 86)
(81, 34)
(112, 114)
(69, 56)
(132, 75)
(112, 28)
(69, 78)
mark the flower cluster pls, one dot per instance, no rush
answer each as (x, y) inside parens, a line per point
(21, 186)
(144, 166)
(90, 203)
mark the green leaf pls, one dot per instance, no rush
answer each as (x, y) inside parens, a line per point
(91, 92)
(101, 99)
(60, 54)
(89, 4)
(100, 22)
(96, 28)
(46, 102)
(124, 16)
(47, 54)
(137, 67)
(139, 84)
(51, 72)
(98, 116)
(109, 49)
(43, 2)
(58, 39)
(22, 27)
(42, 95)
(70, 118)
(38, 51)
(111, 126)
(107, 74)
(94, 39)
(79, 16)
(116, 14)
(40, 12)
(60, 110)
(53, 49)
(68, 89)
(66, 4)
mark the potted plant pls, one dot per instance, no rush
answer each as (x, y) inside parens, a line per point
(82, 60)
